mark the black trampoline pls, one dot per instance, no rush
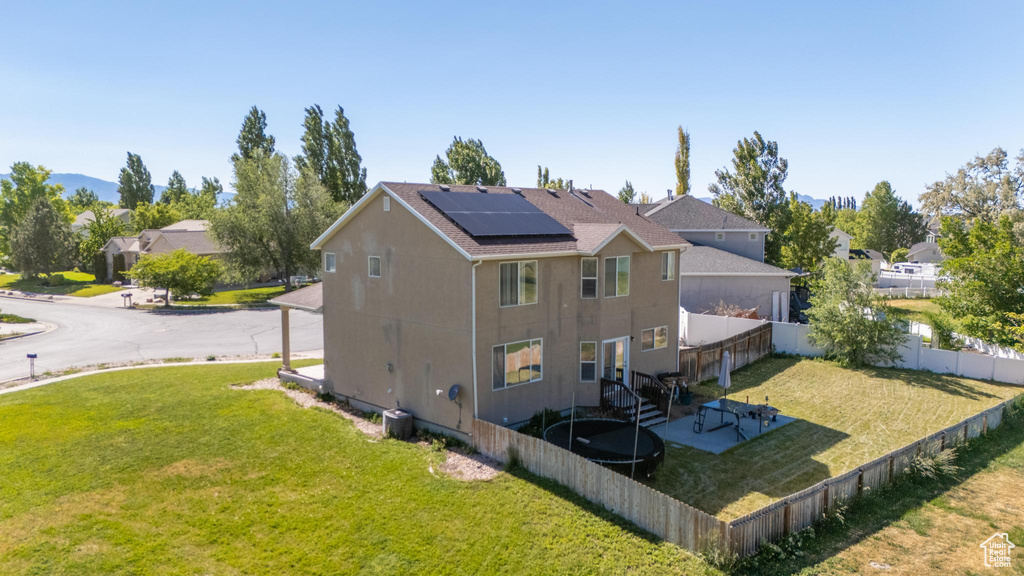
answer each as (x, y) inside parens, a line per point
(610, 442)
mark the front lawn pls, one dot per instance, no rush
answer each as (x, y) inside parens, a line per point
(78, 284)
(246, 296)
(170, 471)
(14, 319)
(845, 418)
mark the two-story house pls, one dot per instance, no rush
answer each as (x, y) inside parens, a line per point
(523, 297)
(725, 265)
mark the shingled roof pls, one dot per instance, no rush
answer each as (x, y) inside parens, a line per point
(594, 216)
(195, 241)
(310, 298)
(708, 261)
(686, 213)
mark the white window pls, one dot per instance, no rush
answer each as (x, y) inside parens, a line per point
(387, 203)
(668, 265)
(374, 266)
(588, 278)
(753, 236)
(616, 276)
(517, 283)
(517, 363)
(654, 338)
(329, 262)
(588, 361)
(719, 236)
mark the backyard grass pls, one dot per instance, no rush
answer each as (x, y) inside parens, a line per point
(77, 284)
(170, 471)
(845, 418)
(246, 296)
(916, 309)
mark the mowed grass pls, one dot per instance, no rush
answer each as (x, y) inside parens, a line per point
(845, 418)
(79, 284)
(171, 471)
(246, 296)
(916, 309)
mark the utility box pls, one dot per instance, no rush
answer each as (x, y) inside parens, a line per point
(397, 424)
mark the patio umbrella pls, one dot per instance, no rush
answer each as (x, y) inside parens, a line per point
(724, 380)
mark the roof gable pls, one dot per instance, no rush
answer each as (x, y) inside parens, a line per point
(686, 213)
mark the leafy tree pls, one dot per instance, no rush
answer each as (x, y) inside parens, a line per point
(846, 219)
(274, 216)
(26, 185)
(683, 163)
(983, 273)
(181, 273)
(627, 193)
(329, 152)
(645, 198)
(983, 189)
(103, 227)
(82, 199)
(199, 204)
(154, 217)
(135, 184)
(544, 180)
(808, 242)
(42, 242)
(899, 255)
(848, 320)
(754, 189)
(176, 189)
(253, 136)
(467, 163)
(885, 222)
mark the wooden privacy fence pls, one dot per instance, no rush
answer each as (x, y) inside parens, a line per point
(800, 510)
(703, 362)
(659, 514)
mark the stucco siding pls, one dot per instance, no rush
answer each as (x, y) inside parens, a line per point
(738, 243)
(702, 294)
(415, 317)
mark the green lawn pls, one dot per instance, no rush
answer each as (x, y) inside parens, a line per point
(77, 284)
(170, 471)
(14, 319)
(247, 296)
(916, 308)
(845, 418)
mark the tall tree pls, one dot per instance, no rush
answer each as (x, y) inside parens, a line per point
(176, 189)
(253, 135)
(754, 189)
(314, 144)
(199, 204)
(544, 180)
(42, 242)
(135, 184)
(627, 193)
(154, 216)
(683, 163)
(885, 222)
(81, 200)
(808, 240)
(467, 163)
(983, 273)
(983, 189)
(329, 152)
(25, 185)
(275, 214)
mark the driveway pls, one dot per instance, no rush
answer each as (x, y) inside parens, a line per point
(88, 335)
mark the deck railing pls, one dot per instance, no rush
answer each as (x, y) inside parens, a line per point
(618, 400)
(651, 389)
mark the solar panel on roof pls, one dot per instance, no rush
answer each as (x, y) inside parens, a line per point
(494, 214)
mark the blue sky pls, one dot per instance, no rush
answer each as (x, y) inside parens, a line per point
(853, 92)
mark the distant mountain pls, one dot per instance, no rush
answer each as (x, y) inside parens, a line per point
(107, 191)
(815, 203)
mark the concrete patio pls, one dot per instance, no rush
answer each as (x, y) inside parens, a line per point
(680, 432)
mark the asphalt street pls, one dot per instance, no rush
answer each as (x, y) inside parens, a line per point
(88, 335)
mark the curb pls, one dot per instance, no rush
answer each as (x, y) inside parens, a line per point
(49, 328)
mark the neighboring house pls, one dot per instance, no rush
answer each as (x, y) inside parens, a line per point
(82, 221)
(875, 257)
(192, 235)
(842, 244)
(704, 224)
(524, 298)
(925, 252)
(709, 276)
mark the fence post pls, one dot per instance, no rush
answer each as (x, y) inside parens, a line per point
(891, 467)
(787, 519)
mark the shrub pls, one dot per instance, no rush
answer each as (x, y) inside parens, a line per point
(537, 423)
(55, 280)
(942, 331)
(99, 266)
(940, 465)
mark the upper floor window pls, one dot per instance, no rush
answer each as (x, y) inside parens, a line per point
(719, 236)
(374, 266)
(588, 278)
(517, 363)
(668, 265)
(654, 338)
(329, 262)
(517, 283)
(616, 276)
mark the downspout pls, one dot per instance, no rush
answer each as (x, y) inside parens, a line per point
(476, 402)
